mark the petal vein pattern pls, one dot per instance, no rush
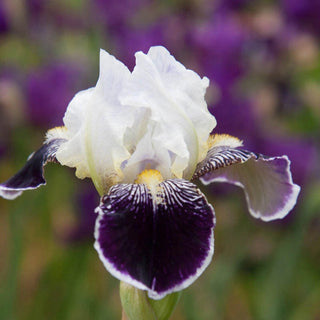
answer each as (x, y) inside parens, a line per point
(158, 246)
(140, 136)
(267, 182)
(223, 157)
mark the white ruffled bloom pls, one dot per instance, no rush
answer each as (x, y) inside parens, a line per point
(155, 117)
(143, 137)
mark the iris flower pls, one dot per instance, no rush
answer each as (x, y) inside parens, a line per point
(144, 137)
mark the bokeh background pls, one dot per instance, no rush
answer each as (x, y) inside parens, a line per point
(263, 61)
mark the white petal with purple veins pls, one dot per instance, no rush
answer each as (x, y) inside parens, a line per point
(267, 183)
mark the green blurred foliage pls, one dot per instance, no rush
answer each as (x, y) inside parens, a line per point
(260, 271)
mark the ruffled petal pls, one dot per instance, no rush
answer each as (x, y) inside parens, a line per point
(31, 175)
(157, 242)
(159, 108)
(180, 122)
(267, 181)
(96, 123)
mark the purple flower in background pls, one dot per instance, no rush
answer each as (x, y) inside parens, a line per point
(130, 40)
(143, 137)
(85, 202)
(48, 90)
(117, 14)
(303, 14)
(225, 111)
(35, 8)
(227, 5)
(42, 16)
(4, 23)
(220, 47)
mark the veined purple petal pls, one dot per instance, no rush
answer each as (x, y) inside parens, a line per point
(267, 182)
(31, 175)
(220, 157)
(160, 243)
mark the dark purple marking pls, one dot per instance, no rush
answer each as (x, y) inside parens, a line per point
(31, 175)
(223, 156)
(157, 246)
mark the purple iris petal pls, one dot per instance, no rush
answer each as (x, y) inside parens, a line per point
(157, 243)
(31, 175)
(267, 183)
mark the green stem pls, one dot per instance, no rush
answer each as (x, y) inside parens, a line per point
(138, 306)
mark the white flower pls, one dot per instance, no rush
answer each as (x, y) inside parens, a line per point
(141, 137)
(155, 117)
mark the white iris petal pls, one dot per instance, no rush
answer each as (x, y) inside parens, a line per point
(155, 118)
(179, 112)
(96, 122)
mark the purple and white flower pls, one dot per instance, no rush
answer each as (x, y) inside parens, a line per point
(143, 137)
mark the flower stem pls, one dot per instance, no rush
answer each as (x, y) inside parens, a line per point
(124, 316)
(138, 306)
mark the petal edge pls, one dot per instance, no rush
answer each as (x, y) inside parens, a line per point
(160, 246)
(267, 182)
(31, 175)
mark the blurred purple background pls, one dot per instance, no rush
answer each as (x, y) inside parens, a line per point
(263, 61)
